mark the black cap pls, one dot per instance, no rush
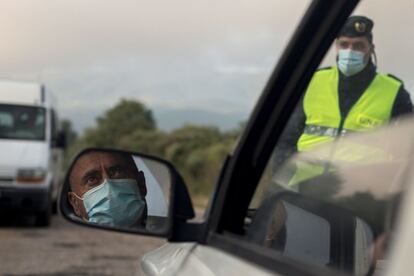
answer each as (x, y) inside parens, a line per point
(356, 26)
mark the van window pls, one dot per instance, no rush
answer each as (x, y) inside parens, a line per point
(22, 122)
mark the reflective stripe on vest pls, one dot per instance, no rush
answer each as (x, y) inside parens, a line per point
(321, 107)
(325, 131)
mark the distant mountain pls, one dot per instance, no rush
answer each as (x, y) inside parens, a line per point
(81, 119)
(167, 119)
(171, 119)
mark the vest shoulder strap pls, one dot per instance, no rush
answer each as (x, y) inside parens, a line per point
(395, 78)
(392, 81)
(323, 73)
(324, 68)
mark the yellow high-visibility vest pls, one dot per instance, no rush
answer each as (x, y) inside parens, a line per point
(321, 107)
(323, 121)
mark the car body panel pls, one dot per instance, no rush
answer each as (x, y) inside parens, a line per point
(196, 259)
(167, 259)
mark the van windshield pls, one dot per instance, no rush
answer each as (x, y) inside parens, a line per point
(22, 122)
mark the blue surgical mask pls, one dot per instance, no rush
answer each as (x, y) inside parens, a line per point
(350, 62)
(115, 202)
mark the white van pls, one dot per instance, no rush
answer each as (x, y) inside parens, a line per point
(31, 149)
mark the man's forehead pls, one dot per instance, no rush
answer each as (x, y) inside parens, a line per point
(353, 39)
(104, 157)
(94, 160)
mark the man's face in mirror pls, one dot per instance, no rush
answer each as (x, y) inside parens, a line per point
(95, 179)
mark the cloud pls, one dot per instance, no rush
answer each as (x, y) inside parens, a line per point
(235, 69)
(77, 32)
(210, 55)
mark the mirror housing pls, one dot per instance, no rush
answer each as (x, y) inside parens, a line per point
(60, 141)
(335, 237)
(156, 172)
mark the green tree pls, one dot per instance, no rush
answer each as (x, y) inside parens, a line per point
(196, 151)
(121, 120)
(149, 142)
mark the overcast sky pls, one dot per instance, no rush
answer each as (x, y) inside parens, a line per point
(209, 55)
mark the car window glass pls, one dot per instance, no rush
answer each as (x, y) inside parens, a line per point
(306, 245)
(177, 80)
(330, 193)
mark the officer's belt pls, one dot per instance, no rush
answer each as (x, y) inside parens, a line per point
(325, 131)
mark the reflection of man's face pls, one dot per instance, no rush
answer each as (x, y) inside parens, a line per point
(92, 168)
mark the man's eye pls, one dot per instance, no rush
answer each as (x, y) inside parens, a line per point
(343, 45)
(91, 179)
(359, 46)
(118, 172)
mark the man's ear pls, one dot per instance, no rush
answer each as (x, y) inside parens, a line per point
(75, 204)
(372, 50)
(373, 55)
(141, 183)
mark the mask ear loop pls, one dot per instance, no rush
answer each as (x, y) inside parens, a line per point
(78, 197)
(374, 55)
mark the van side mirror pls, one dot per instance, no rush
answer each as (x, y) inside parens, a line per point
(60, 141)
(124, 191)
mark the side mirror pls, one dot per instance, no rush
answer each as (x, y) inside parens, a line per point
(124, 191)
(60, 141)
(315, 232)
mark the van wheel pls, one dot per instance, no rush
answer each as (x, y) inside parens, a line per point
(43, 218)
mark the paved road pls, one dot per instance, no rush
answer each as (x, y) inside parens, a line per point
(66, 249)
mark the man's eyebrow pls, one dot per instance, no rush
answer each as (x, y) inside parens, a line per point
(359, 43)
(119, 166)
(116, 166)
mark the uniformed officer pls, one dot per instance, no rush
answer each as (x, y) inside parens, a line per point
(349, 97)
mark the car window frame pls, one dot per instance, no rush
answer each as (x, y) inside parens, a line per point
(243, 170)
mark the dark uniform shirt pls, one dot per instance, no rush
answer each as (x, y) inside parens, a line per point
(350, 90)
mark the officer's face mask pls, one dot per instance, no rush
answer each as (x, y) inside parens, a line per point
(350, 62)
(115, 202)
